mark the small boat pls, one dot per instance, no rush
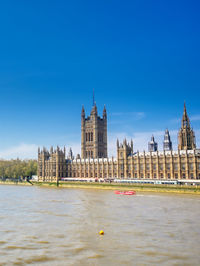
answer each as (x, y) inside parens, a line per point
(130, 192)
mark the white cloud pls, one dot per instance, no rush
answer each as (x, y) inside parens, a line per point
(22, 151)
(195, 118)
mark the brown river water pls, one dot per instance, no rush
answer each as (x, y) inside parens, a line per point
(49, 226)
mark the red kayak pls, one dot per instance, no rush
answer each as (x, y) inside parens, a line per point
(130, 192)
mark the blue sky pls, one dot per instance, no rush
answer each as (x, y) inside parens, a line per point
(142, 57)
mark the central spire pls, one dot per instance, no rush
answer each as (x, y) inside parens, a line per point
(186, 136)
(185, 118)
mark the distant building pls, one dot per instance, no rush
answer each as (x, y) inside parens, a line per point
(167, 165)
(167, 144)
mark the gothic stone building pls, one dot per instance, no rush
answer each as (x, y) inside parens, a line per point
(94, 163)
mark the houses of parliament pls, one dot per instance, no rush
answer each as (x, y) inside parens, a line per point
(184, 163)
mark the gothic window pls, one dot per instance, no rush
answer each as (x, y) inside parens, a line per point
(168, 166)
(161, 175)
(191, 176)
(154, 176)
(100, 137)
(175, 166)
(91, 136)
(169, 176)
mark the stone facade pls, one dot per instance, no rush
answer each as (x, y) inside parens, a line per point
(168, 165)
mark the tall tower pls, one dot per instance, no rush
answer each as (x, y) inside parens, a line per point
(153, 146)
(167, 144)
(94, 134)
(186, 136)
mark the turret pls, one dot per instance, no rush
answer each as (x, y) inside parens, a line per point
(70, 154)
(83, 113)
(51, 149)
(117, 143)
(132, 145)
(152, 145)
(104, 113)
(167, 144)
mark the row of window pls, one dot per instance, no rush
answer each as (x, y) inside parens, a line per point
(89, 136)
(155, 176)
(161, 167)
(89, 154)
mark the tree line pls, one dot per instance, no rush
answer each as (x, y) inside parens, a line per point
(17, 169)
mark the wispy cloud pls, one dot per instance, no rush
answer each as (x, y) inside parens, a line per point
(22, 151)
(140, 142)
(192, 118)
(195, 118)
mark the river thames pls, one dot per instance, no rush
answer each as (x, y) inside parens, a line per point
(49, 226)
